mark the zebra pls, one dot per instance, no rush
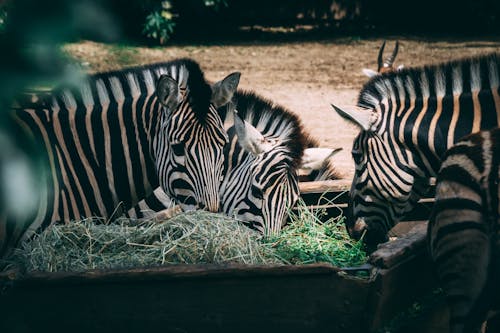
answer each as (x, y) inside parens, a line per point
(409, 119)
(262, 161)
(463, 231)
(116, 136)
(384, 66)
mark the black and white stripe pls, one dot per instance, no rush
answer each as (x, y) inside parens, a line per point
(463, 232)
(409, 119)
(112, 139)
(258, 188)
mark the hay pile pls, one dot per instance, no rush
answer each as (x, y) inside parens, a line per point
(195, 237)
(189, 238)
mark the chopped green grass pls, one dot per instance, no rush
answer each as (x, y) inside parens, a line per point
(306, 239)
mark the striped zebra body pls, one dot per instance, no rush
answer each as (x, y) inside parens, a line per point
(257, 188)
(114, 138)
(409, 119)
(463, 231)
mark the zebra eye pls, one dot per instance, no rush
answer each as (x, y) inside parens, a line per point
(357, 155)
(178, 148)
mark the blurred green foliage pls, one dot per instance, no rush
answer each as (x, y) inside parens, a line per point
(161, 20)
(163, 15)
(31, 34)
(160, 23)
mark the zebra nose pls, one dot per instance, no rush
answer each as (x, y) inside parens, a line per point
(213, 207)
(358, 229)
(210, 206)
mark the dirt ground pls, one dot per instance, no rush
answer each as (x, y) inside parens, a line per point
(304, 76)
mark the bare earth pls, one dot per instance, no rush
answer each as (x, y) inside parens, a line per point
(305, 77)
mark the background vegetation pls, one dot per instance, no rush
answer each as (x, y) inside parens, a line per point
(161, 20)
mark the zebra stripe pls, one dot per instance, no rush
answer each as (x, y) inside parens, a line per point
(420, 113)
(464, 226)
(258, 189)
(111, 140)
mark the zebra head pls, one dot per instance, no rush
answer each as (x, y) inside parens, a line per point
(385, 186)
(262, 188)
(189, 147)
(384, 66)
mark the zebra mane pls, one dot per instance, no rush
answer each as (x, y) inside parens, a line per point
(273, 121)
(134, 82)
(456, 77)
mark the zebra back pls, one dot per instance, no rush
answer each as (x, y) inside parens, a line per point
(464, 226)
(444, 102)
(111, 139)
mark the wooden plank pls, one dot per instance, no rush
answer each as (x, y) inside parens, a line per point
(333, 196)
(339, 185)
(342, 185)
(401, 229)
(391, 253)
(322, 300)
(168, 272)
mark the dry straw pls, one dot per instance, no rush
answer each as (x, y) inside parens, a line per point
(196, 237)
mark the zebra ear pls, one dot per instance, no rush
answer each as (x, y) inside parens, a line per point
(364, 118)
(223, 91)
(167, 91)
(314, 158)
(369, 72)
(249, 138)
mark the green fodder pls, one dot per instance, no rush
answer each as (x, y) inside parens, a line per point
(188, 238)
(195, 237)
(306, 239)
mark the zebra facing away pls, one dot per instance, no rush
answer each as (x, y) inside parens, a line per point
(463, 231)
(117, 136)
(409, 119)
(261, 165)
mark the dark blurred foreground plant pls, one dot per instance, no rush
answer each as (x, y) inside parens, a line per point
(31, 32)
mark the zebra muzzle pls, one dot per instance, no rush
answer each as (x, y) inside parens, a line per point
(358, 229)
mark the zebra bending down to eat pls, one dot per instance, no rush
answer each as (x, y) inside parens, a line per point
(262, 160)
(463, 232)
(117, 136)
(409, 119)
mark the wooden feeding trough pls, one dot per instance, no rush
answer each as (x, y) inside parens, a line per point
(225, 298)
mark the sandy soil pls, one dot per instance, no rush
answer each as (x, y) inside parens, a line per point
(303, 76)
